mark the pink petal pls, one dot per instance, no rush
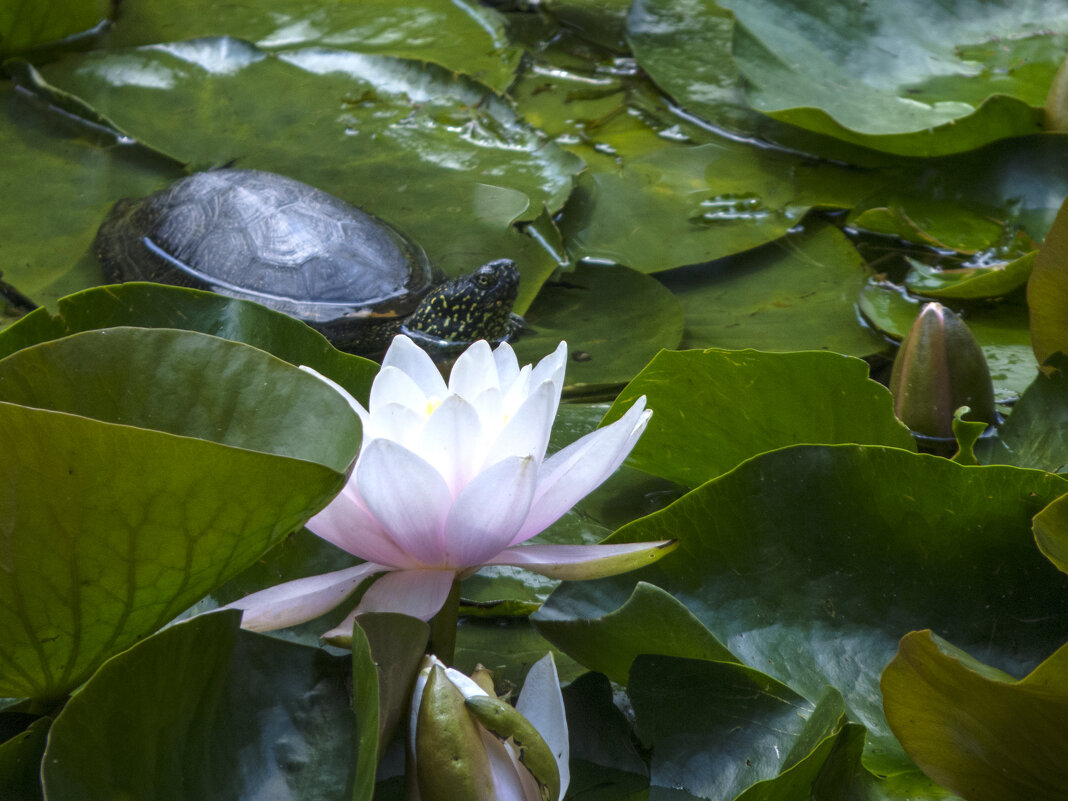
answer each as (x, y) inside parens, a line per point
(346, 523)
(448, 441)
(416, 593)
(408, 497)
(489, 511)
(527, 431)
(409, 358)
(578, 562)
(474, 371)
(572, 473)
(300, 600)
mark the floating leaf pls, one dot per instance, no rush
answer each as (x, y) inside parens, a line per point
(461, 36)
(24, 26)
(798, 293)
(120, 527)
(749, 402)
(969, 283)
(811, 562)
(974, 729)
(205, 710)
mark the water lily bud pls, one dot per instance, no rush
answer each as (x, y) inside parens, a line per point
(467, 745)
(939, 368)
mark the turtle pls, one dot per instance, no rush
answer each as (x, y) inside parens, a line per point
(296, 249)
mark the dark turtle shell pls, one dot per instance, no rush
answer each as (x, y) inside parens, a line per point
(267, 238)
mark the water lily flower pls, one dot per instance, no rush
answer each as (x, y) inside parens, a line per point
(451, 477)
(463, 742)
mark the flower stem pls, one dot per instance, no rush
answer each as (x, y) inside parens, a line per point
(443, 627)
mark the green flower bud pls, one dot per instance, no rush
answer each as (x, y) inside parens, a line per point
(467, 745)
(939, 368)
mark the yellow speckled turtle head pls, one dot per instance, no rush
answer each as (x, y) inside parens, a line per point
(474, 306)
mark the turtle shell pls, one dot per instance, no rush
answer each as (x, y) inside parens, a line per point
(267, 238)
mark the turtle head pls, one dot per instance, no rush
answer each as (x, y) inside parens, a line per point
(474, 306)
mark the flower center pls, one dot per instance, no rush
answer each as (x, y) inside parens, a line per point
(432, 403)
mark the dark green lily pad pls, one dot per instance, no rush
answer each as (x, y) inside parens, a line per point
(1036, 432)
(720, 730)
(809, 563)
(205, 710)
(679, 205)
(749, 402)
(24, 26)
(461, 36)
(798, 293)
(20, 762)
(121, 527)
(589, 308)
(55, 189)
(974, 729)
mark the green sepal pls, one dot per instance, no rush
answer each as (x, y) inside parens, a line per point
(967, 433)
(504, 721)
(451, 762)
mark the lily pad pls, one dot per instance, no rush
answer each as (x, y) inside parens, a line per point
(147, 468)
(206, 710)
(810, 562)
(969, 283)
(20, 762)
(974, 729)
(798, 293)
(751, 402)
(147, 305)
(461, 36)
(55, 189)
(905, 78)
(24, 26)
(592, 308)
(434, 153)
(680, 205)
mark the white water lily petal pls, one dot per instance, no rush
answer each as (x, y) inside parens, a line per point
(511, 781)
(348, 524)
(416, 593)
(394, 421)
(392, 385)
(474, 371)
(527, 432)
(353, 403)
(409, 358)
(541, 703)
(301, 600)
(507, 365)
(552, 368)
(572, 473)
(408, 497)
(449, 441)
(490, 408)
(489, 511)
(512, 397)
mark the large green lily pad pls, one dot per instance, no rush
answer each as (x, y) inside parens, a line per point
(810, 562)
(798, 293)
(462, 36)
(142, 469)
(907, 78)
(24, 26)
(750, 402)
(205, 710)
(974, 729)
